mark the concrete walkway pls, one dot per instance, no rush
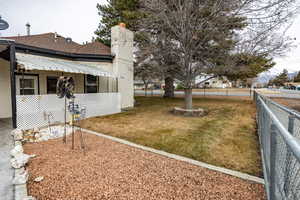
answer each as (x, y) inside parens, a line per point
(6, 172)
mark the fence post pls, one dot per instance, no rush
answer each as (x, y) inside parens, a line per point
(288, 155)
(291, 124)
(273, 152)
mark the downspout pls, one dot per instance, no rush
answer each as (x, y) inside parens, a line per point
(13, 65)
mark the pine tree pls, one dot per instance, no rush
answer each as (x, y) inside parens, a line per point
(281, 79)
(297, 77)
(115, 12)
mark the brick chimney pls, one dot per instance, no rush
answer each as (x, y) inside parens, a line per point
(122, 49)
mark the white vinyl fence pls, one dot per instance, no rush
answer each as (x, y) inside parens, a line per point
(32, 110)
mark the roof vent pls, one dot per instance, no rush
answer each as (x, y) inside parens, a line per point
(68, 40)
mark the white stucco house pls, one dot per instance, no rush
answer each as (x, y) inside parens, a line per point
(210, 81)
(31, 64)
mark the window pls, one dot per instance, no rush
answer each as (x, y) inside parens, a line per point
(51, 85)
(91, 84)
(26, 85)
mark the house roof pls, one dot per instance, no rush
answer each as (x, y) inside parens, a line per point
(57, 42)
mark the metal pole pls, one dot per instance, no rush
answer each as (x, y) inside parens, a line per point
(273, 149)
(73, 132)
(107, 87)
(13, 66)
(288, 155)
(117, 82)
(22, 88)
(65, 128)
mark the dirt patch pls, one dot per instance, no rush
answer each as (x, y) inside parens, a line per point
(111, 170)
(291, 103)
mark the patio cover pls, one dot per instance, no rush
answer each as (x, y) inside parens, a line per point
(33, 62)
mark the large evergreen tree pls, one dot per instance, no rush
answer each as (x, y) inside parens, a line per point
(115, 12)
(128, 12)
(248, 66)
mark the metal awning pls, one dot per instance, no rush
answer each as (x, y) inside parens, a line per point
(34, 62)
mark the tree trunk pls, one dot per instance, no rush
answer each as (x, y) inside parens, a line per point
(169, 87)
(146, 89)
(188, 98)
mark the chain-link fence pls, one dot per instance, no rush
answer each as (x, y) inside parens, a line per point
(279, 134)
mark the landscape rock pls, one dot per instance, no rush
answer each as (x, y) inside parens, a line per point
(17, 134)
(18, 149)
(44, 134)
(29, 198)
(38, 179)
(36, 130)
(19, 160)
(32, 156)
(21, 177)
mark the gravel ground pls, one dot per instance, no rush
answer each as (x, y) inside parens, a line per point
(110, 170)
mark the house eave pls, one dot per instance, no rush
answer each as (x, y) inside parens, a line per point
(59, 54)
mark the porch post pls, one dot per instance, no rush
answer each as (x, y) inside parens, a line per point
(117, 85)
(13, 84)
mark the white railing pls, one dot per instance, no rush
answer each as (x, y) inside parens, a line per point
(33, 109)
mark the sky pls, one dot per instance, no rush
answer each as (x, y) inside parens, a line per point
(76, 19)
(79, 19)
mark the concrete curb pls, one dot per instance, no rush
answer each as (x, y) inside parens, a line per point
(20, 191)
(184, 159)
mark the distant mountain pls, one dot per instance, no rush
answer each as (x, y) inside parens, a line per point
(265, 77)
(292, 75)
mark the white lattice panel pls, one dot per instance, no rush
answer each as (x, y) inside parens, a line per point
(31, 108)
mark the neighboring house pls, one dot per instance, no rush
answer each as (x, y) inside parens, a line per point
(292, 85)
(212, 82)
(30, 66)
(154, 84)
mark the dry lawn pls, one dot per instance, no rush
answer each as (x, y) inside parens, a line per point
(292, 103)
(226, 137)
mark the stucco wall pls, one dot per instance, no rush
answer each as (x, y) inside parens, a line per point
(5, 95)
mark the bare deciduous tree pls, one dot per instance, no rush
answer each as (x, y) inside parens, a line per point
(201, 36)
